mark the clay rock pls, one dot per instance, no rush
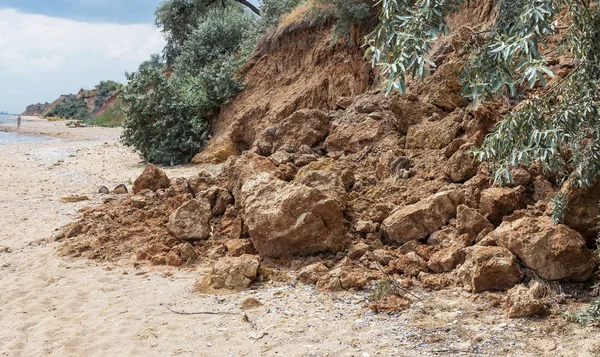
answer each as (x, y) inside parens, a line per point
(352, 137)
(489, 268)
(238, 247)
(461, 166)
(358, 250)
(304, 127)
(234, 272)
(419, 220)
(583, 210)
(363, 226)
(522, 302)
(188, 253)
(497, 202)
(286, 219)
(411, 264)
(555, 252)
(245, 167)
(471, 222)
(191, 221)
(326, 182)
(446, 259)
(218, 197)
(346, 275)
(520, 177)
(432, 135)
(542, 189)
(152, 179)
(312, 273)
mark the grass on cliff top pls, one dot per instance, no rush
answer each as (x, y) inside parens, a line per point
(110, 118)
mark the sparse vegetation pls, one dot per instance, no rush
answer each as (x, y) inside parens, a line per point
(380, 290)
(589, 315)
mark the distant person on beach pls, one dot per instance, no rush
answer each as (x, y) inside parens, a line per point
(19, 122)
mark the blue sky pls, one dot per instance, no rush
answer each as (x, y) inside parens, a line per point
(54, 47)
(114, 11)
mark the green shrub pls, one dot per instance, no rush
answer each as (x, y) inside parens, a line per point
(109, 118)
(163, 121)
(70, 108)
(349, 13)
(589, 315)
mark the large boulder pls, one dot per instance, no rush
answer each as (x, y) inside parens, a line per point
(234, 272)
(432, 135)
(304, 127)
(419, 220)
(191, 221)
(246, 166)
(497, 202)
(555, 252)
(471, 222)
(583, 210)
(352, 137)
(151, 179)
(286, 219)
(327, 182)
(489, 268)
(461, 166)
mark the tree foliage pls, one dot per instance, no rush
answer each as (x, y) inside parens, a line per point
(163, 121)
(560, 130)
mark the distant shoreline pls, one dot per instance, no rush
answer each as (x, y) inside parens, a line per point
(33, 125)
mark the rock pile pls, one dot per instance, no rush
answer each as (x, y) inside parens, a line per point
(382, 184)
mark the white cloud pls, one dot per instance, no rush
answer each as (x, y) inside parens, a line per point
(52, 53)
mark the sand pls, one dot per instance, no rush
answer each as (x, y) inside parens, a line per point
(56, 306)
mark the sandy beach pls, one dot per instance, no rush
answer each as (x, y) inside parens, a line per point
(56, 306)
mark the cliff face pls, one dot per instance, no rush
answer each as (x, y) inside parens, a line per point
(89, 97)
(293, 68)
(35, 109)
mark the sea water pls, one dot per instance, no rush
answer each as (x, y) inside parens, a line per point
(15, 138)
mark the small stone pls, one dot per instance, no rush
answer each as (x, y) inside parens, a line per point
(152, 178)
(251, 303)
(358, 250)
(120, 190)
(173, 259)
(103, 190)
(74, 198)
(138, 201)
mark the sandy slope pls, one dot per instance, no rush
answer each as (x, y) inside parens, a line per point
(53, 306)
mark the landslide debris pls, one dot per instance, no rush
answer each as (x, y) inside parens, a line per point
(315, 171)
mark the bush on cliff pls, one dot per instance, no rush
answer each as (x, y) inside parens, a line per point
(70, 108)
(170, 100)
(162, 123)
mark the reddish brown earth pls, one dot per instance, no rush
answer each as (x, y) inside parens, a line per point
(315, 176)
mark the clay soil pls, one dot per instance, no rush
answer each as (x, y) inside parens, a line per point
(52, 305)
